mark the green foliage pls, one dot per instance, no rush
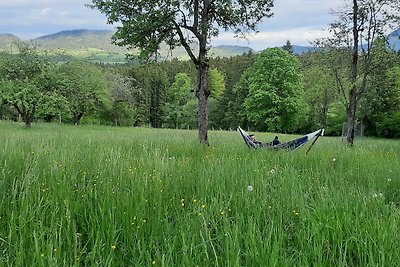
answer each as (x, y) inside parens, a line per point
(123, 114)
(216, 84)
(336, 116)
(123, 110)
(216, 101)
(150, 82)
(389, 125)
(229, 111)
(85, 88)
(275, 94)
(26, 84)
(360, 28)
(178, 97)
(319, 87)
(379, 106)
(240, 91)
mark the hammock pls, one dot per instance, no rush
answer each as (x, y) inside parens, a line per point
(290, 145)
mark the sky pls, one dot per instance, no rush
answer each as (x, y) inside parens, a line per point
(299, 21)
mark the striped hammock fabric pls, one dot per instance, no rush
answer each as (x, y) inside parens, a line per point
(290, 145)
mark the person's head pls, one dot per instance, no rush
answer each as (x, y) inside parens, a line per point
(252, 137)
(276, 137)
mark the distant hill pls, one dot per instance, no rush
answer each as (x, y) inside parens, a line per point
(298, 49)
(6, 40)
(394, 40)
(79, 40)
(96, 46)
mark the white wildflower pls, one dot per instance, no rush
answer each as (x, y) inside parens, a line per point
(250, 188)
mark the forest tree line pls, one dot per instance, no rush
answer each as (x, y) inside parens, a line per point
(273, 90)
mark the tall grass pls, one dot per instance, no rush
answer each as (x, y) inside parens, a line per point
(102, 196)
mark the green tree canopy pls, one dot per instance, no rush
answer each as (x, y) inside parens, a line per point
(178, 95)
(25, 81)
(85, 88)
(274, 102)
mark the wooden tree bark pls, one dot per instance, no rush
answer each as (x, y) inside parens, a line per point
(351, 110)
(351, 117)
(202, 94)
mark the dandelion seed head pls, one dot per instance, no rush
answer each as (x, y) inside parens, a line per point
(250, 188)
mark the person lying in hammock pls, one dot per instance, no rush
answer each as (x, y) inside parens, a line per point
(254, 140)
(276, 141)
(259, 143)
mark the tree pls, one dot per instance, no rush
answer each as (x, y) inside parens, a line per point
(360, 27)
(178, 95)
(288, 47)
(216, 83)
(123, 111)
(146, 24)
(319, 87)
(216, 101)
(230, 108)
(275, 91)
(85, 88)
(151, 82)
(26, 84)
(382, 101)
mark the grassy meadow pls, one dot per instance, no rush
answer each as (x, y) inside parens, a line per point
(105, 196)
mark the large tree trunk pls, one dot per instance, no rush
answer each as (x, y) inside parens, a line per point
(26, 117)
(351, 116)
(351, 109)
(202, 94)
(78, 117)
(27, 120)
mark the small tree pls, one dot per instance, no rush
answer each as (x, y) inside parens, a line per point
(359, 27)
(288, 47)
(146, 24)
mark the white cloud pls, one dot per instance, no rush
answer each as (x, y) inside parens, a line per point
(45, 11)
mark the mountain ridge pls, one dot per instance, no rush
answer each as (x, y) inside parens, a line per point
(96, 45)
